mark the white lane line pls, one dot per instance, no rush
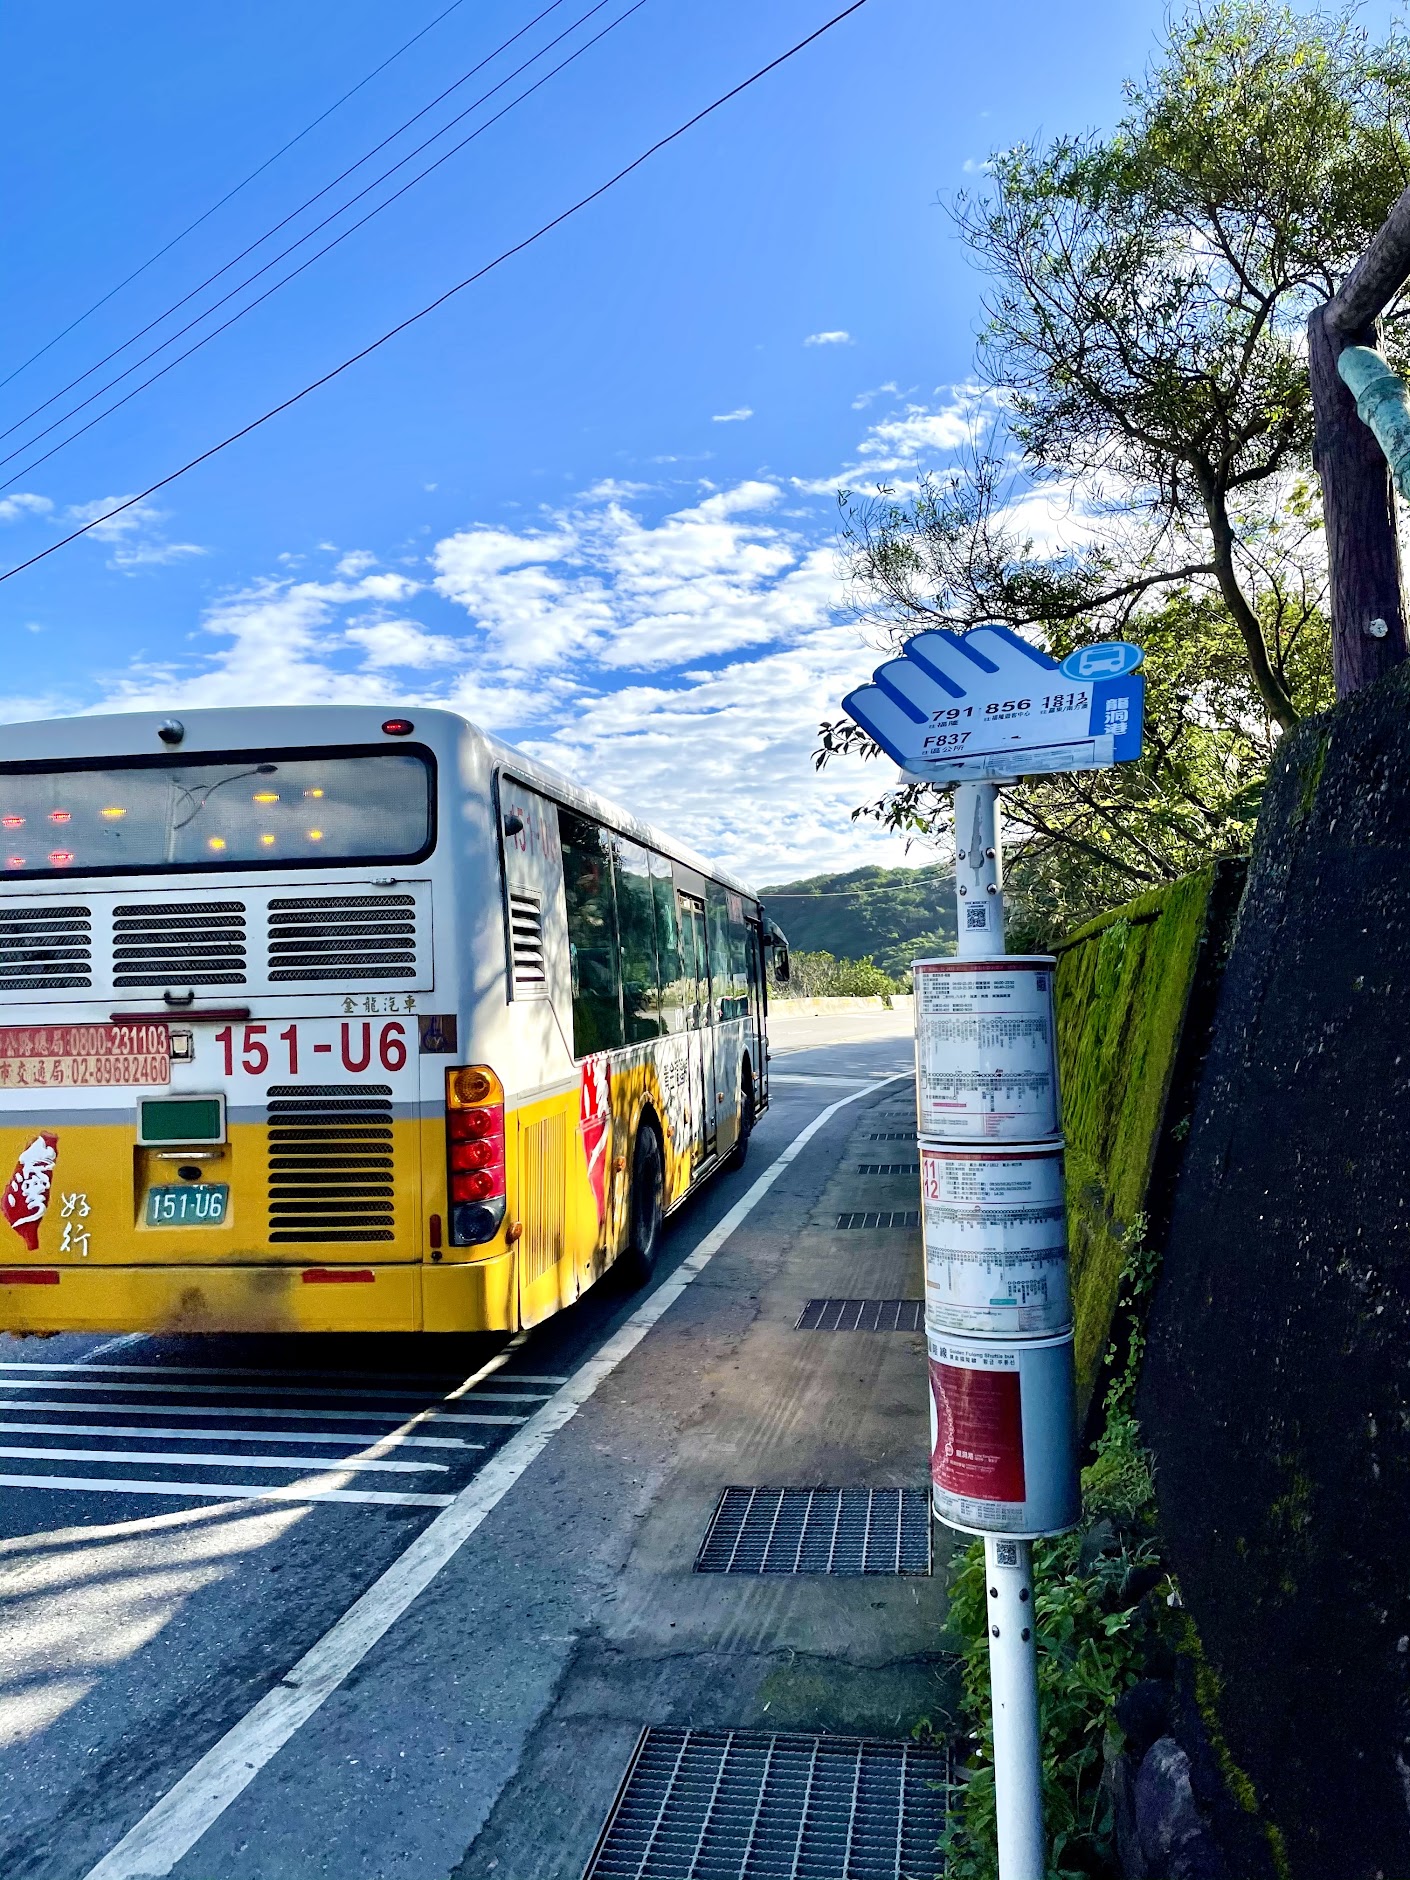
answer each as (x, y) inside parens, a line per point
(220, 1491)
(165, 1459)
(123, 1342)
(808, 1077)
(430, 1415)
(169, 1829)
(341, 1437)
(428, 1382)
(254, 1390)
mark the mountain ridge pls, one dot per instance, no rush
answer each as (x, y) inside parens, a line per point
(893, 915)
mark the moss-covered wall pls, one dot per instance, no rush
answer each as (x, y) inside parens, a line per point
(1133, 993)
(1275, 1391)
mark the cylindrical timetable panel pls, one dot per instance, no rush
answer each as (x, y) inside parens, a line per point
(986, 1055)
(995, 1239)
(1003, 1450)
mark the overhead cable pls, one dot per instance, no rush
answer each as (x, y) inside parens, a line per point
(284, 253)
(191, 227)
(284, 221)
(506, 254)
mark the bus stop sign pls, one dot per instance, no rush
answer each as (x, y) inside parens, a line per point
(961, 707)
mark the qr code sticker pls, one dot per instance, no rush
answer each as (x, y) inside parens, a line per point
(976, 916)
(1006, 1553)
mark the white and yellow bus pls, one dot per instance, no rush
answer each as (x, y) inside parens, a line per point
(325, 1020)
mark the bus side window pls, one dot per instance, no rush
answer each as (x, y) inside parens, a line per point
(738, 959)
(717, 920)
(675, 995)
(592, 934)
(641, 992)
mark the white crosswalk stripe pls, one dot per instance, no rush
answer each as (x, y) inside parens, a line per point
(140, 1429)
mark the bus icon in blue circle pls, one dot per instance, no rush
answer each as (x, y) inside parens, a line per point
(1111, 660)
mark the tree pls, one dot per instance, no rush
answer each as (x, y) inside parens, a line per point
(1143, 360)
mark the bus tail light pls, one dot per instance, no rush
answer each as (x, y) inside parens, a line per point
(475, 1154)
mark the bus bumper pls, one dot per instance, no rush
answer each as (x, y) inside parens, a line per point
(477, 1296)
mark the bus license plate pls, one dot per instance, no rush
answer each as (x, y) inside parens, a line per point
(193, 1204)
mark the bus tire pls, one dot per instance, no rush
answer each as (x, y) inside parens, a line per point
(645, 1206)
(739, 1154)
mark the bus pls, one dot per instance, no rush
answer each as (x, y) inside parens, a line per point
(319, 1019)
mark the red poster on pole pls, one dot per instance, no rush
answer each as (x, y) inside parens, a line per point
(979, 1433)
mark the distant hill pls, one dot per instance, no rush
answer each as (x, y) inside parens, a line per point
(893, 914)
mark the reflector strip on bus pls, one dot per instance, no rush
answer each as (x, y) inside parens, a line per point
(338, 1276)
(28, 1276)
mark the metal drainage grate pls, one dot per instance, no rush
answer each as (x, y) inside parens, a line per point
(818, 1530)
(885, 1217)
(893, 1135)
(743, 1805)
(888, 1168)
(862, 1315)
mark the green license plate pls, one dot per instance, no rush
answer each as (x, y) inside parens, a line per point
(190, 1204)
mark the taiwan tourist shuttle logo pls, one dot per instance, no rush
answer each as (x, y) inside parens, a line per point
(26, 1197)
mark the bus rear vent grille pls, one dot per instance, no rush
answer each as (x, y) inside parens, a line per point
(45, 949)
(330, 1162)
(526, 943)
(343, 936)
(179, 943)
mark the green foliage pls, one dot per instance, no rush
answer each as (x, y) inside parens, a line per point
(890, 915)
(1123, 987)
(820, 976)
(1095, 1616)
(1147, 299)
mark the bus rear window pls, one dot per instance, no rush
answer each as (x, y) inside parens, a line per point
(247, 810)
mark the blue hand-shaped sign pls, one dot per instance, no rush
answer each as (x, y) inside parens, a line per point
(956, 706)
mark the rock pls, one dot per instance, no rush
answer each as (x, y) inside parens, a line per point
(1118, 1783)
(1174, 1838)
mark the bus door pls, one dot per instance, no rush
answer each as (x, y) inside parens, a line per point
(758, 1010)
(700, 1033)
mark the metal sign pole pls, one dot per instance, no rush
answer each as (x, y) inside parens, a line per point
(972, 710)
(1008, 1562)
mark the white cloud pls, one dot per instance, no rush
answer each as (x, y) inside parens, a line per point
(23, 503)
(676, 650)
(391, 643)
(135, 533)
(837, 336)
(895, 448)
(733, 417)
(863, 399)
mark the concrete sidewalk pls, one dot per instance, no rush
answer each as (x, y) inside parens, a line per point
(729, 1393)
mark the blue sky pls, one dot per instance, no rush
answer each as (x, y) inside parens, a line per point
(589, 501)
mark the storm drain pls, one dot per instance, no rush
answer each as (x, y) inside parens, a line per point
(818, 1530)
(888, 1168)
(743, 1805)
(885, 1217)
(893, 1135)
(862, 1315)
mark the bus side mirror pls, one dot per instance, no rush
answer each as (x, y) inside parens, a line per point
(781, 968)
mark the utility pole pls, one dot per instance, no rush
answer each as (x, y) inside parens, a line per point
(1358, 500)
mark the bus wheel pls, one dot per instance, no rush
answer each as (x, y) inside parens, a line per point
(644, 1202)
(737, 1155)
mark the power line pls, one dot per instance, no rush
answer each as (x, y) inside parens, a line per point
(506, 254)
(192, 226)
(284, 221)
(327, 248)
(848, 894)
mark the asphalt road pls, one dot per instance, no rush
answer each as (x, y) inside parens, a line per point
(182, 1519)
